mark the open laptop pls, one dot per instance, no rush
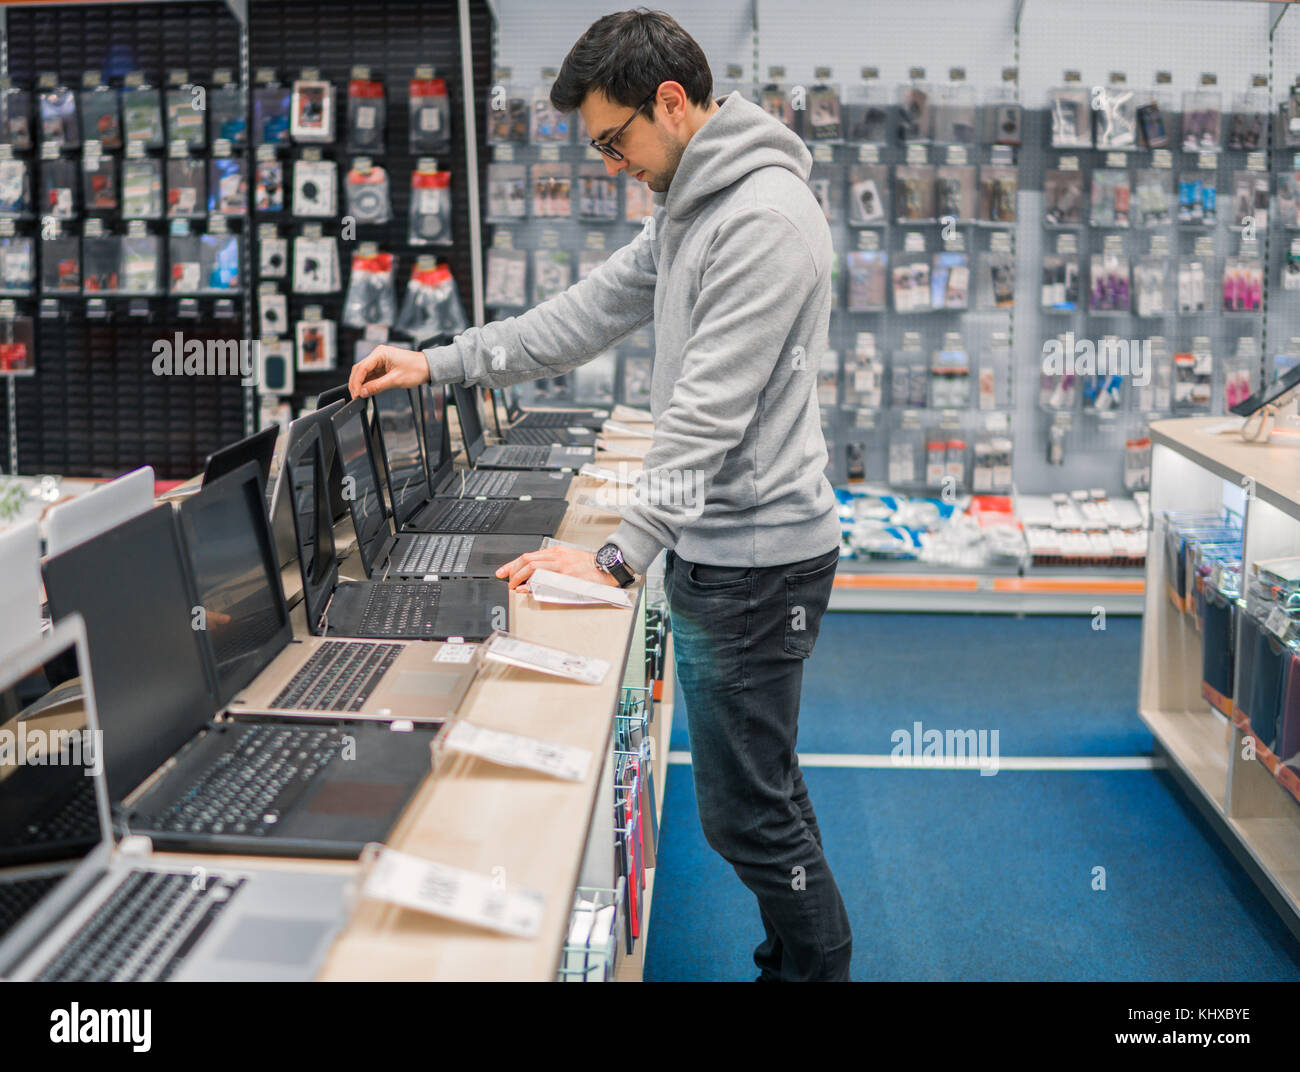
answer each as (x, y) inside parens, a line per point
(187, 781)
(76, 520)
(259, 447)
(76, 906)
(280, 509)
(20, 587)
(506, 401)
(506, 456)
(422, 610)
(448, 482)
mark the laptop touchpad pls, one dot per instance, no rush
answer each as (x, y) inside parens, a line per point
(273, 940)
(423, 683)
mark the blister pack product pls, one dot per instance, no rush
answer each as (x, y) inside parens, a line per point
(367, 115)
(185, 258)
(552, 186)
(1151, 287)
(1109, 283)
(1192, 285)
(432, 306)
(1153, 197)
(273, 257)
(315, 188)
(997, 281)
(220, 262)
(316, 345)
(915, 113)
(825, 184)
(1071, 113)
(187, 188)
(1007, 119)
(954, 115)
(142, 264)
(101, 264)
(142, 196)
(1115, 118)
(507, 195)
(275, 366)
(60, 182)
(17, 265)
(17, 346)
(914, 193)
(371, 297)
(271, 105)
(268, 191)
(430, 125)
(507, 117)
(16, 118)
(100, 120)
(1243, 284)
(316, 265)
(430, 220)
(227, 115)
(1063, 198)
(866, 110)
(1193, 381)
(547, 125)
(311, 118)
(61, 265)
(868, 271)
(552, 273)
(186, 108)
(15, 188)
(775, 100)
(954, 191)
(1198, 198)
(999, 187)
(507, 273)
(1060, 289)
(1111, 198)
(366, 192)
(822, 120)
(99, 183)
(1249, 202)
(911, 284)
(1248, 127)
(597, 194)
(868, 195)
(1202, 120)
(272, 312)
(1152, 130)
(228, 188)
(142, 116)
(58, 108)
(1288, 198)
(950, 281)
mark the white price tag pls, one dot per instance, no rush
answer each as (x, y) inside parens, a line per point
(631, 413)
(599, 472)
(456, 894)
(455, 653)
(547, 586)
(617, 429)
(1277, 622)
(511, 750)
(504, 648)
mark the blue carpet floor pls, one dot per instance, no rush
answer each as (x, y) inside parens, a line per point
(950, 876)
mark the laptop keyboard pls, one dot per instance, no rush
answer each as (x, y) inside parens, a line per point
(76, 818)
(248, 788)
(472, 516)
(535, 435)
(489, 482)
(436, 554)
(17, 897)
(339, 676)
(401, 609)
(144, 930)
(551, 419)
(517, 455)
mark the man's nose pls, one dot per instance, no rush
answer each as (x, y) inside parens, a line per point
(613, 167)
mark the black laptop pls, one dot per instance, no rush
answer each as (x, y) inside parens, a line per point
(259, 447)
(506, 456)
(506, 400)
(416, 610)
(285, 788)
(280, 507)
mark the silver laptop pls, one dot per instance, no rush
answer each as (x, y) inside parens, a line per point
(76, 905)
(86, 516)
(20, 587)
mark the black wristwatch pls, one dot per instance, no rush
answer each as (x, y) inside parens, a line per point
(609, 559)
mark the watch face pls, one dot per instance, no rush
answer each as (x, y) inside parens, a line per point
(607, 556)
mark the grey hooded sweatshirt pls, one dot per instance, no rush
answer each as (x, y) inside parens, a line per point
(734, 267)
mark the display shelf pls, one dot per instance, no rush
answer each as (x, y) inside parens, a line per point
(859, 586)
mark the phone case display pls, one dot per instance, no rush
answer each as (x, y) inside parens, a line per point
(430, 222)
(1249, 202)
(219, 263)
(17, 265)
(15, 188)
(1071, 112)
(999, 185)
(142, 189)
(371, 297)
(142, 117)
(227, 108)
(507, 193)
(1060, 291)
(1115, 121)
(914, 193)
(101, 264)
(311, 116)
(228, 187)
(867, 277)
(271, 107)
(268, 191)
(1063, 198)
(1198, 198)
(59, 183)
(1151, 287)
(316, 265)
(552, 273)
(1193, 378)
(1152, 130)
(141, 265)
(507, 118)
(17, 346)
(1153, 197)
(1243, 285)
(868, 195)
(548, 126)
(99, 117)
(552, 188)
(915, 113)
(1111, 197)
(367, 116)
(15, 118)
(58, 109)
(1192, 286)
(186, 188)
(315, 188)
(597, 194)
(867, 109)
(954, 115)
(955, 192)
(507, 271)
(1109, 284)
(997, 281)
(99, 183)
(775, 100)
(367, 192)
(823, 122)
(911, 279)
(430, 126)
(185, 116)
(1201, 120)
(316, 345)
(950, 281)
(432, 306)
(61, 265)
(273, 257)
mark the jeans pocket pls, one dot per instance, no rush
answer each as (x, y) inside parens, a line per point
(806, 596)
(718, 578)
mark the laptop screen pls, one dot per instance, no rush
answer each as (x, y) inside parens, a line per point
(237, 579)
(437, 439)
(51, 816)
(130, 584)
(259, 447)
(408, 481)
(471, 427)
(360, 480)
(312, 524)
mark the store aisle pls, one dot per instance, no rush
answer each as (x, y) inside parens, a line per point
(950, 875)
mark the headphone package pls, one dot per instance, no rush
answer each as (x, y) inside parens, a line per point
(316, 345)
(15, 188)
(228, 188)
(269, 190)
(271, 115)
(186, 188)
(273, 257)
(142, 189)
(371, 297)
(142, 116)
(311, 118)
(316, 265)
(99, 117)
(16, 118)
(367, 116)
(315, 188)
(430, 129)
(59, 182)
(868, 194)
(430, 222)
(366, 190)
(273, 312)
(59, 118)
(432, 306)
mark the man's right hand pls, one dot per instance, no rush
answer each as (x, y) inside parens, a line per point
(386, 367)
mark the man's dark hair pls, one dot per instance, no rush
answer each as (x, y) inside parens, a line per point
(627, 56)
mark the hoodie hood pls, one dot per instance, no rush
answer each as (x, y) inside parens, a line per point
(738, 138)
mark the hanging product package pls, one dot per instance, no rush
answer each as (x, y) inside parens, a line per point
(228, 115)
(99, 175)
(99, 117)
(186, 188)
(142, 116)
(142, 189)
(15, 188)
(16, 118)
(59, 182)
(430, 130)
(432, 306)
(61, 265)
(271, 115)
(371, 297)
(367, 116)
(185, 117)
(430, 208)
(59, 118)
(228, 188)
(141, 260)
(17, 265)
(101, 264)
(269, 190)
(366, 191)
(219, 261)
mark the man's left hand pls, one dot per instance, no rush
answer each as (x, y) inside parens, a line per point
(567, 560)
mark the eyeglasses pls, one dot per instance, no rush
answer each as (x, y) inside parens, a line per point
(607, 146)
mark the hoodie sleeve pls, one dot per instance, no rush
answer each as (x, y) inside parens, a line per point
(562, 333)
(757, 276)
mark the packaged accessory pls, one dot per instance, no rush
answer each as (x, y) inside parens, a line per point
(1197, 198)
(1247, 130)
(99, 183)
(15, 188)
(315, 188)
(826, 189)
(371, 297)
(432, 306)
(275, 366)
(273, 312)
(61, 265)
(1116, 118)
(142, 197)
(1060, 290)
(59, 184)
(1154, 197)
(219, 262)
(58, 109)
(1288, 198)
(184, 120)
(17, 265)
(430, 222)
(228, 189)
(430, 129)
(776, 102)
(366, 189)
(186, 188)
(1249, 201)
(1193, 379)
(954, 191)
(1007, 118)
(507, 118)
(916, 114)
(273, 257)
(1192, 286)
(548, 126)
(16, 118)
(868, 195)
(867, 108)
(597, 194)
(954, 115)
(186, 260)
(1071, 113)
(317, 350)
(999, 185)
(914, 193)
(552, 274)
(911, 280)
(867, 274)
(507, 196)
(271, 106)
(823, 115)
(1151, 126)
(367, 116)
(101, 266)
(142, 116)
(17, 346)
(269, 193)
(507, 270)
(950, 281)
(99, 117)
(1109, 283)
(1243, 284)
(998, 281)
(1063, 198)
(1202, 118)
(1150, 287)
(228, 115)
(552, 190)
(142, 264)
(311, 118)
(1111, 198)
(316, 265)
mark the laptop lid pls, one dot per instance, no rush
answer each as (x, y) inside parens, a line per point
(242, 617)
(313, 525)
(47, 696)
(399, 440)
(131, 586)
(334, 394)
(259, 447)
(76, 520)
(281, 510)
(361, 480)
(20, 587)
(471, 424)
(437, 435)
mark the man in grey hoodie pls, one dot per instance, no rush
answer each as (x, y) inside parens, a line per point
(734, 269)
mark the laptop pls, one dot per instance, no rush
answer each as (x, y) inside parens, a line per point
(75, 906)
(468, 609)
(189, 782)
(259, 447)
(260, 669)
(280, 508)
(20, 587)
(409, 488)
(506, 456)
(445, 481)
(506, 400)
(77, 520)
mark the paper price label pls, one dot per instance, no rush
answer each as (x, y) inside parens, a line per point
(455, 653)
(504, 648)
(599, 472)
(453, 893)
(527, 753)
(617, 429)
(1277, 622)
(547, 586)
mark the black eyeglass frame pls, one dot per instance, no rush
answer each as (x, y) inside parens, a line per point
(606, 147)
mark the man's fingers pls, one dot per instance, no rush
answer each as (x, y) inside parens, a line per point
(385, 382)
(521, 575)
(371, 364)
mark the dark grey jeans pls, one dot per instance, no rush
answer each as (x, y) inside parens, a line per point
(740, 636)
